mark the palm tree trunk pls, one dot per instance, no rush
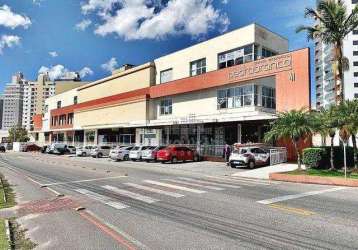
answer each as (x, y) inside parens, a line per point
(298, 155)
(338, 75)
(332, 154)
(354, 141)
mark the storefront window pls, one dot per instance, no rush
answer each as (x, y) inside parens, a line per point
(237, 97)
(268, 97)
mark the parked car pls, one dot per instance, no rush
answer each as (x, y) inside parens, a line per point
(71, 149)
(136, 153)
(120, 153)
(84, 151)
(2, 148)
(250, 157)
(100, 151)
(150, 154)
(57, 148)
(31, 148)
(177, 153)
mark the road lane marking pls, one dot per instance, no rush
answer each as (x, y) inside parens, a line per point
(101, 198)
(194, 184)
(129, 194)
(80, 181)
(154, 190)
(163, 184)
(241, 181)
(294, 210)
(296, 196)
(208, 182)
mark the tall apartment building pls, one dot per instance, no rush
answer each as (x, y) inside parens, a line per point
(36, 92)
(324, 77)
(13, 102)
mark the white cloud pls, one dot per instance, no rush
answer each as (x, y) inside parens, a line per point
(8, 41)
(53, 54)
(84, 24)
(59, 71)
(86, 71)
(111, 65)
(151, 19)
(12, 20)
(224, 1)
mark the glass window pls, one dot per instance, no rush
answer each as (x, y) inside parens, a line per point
(75, 100)
(198, 67)
(166, 75)
(59, 104)
(237, 97)
(267, 53)
(237, 56)
(268, 97)
(166, 107)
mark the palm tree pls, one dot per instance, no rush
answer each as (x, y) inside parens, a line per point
(348, 122)
(291, 125)
(325, 122)
(334, 24)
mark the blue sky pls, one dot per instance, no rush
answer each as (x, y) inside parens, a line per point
(93, 36)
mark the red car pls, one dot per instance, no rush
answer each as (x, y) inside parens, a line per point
(177, 153)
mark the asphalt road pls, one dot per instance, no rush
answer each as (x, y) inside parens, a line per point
(137, 205)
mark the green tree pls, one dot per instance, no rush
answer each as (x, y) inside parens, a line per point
(18, 134)
(347, 114)
(334, 24)
(292, 125)
(325, 122)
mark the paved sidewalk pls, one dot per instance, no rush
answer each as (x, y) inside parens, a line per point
(264, 172)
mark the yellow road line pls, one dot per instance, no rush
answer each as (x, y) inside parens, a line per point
(294, 210)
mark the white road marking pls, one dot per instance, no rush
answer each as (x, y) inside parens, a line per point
(194, 184)
(208, 182)
(80, 181)
(154, 190)
(101, 198)
(296, 196)
(175, 187)
(242, 181)
(129, 194)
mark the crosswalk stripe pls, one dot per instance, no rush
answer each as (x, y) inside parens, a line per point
(260, 182)
(101, 198)
(194, 184)
(175, 187)
(250, 183)
(129, 194)
(208, 182)
(154, 190)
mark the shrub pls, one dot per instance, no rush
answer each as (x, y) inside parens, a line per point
(338, 157)
(312, 157)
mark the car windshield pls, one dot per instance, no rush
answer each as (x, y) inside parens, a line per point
(243, 151)
(135, 148)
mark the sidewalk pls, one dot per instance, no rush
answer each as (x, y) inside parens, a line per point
(264, 172)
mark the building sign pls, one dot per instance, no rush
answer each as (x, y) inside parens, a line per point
(262, 67)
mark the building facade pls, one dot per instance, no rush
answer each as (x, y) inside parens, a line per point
(326, 91)
(224, 90)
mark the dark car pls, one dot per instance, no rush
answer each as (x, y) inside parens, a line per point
(2, 149)
(177, 153)
(32, 148)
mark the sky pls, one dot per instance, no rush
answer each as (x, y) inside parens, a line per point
(93, 37)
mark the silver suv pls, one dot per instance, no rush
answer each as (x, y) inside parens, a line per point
(250, 157)
(100, 151)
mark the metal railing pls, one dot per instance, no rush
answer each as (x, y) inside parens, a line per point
(278, 155)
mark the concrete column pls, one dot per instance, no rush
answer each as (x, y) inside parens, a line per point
(96, 136)
(84, 138)
(168, 131)
(239, 133)
(198, 131)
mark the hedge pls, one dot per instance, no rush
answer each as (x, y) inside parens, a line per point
(338, 160)
(312, 157)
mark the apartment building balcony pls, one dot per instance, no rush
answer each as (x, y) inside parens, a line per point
(328, 77)
(330, 96)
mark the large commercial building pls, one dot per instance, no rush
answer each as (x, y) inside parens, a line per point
(224, 90)
(326, 91)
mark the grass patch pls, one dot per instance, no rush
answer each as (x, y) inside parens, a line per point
(6, 191)
(325, 173)
(4, 241)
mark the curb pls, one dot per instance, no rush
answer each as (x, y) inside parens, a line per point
(309, 179)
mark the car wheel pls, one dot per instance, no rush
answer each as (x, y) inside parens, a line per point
(84, 154)
(233, 165)
(100, 155)
(196, 158)
(126, 158)
(134, 159)
(174, 159)
(251, 164)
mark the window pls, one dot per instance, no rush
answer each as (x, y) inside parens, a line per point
(237, 97)
(355, 63)
(355, 32)
(166, 107)
(268, 97)
(70, 118)
(198, 67)
(356, 84)
(267, 53)
(355, 74)
(59, 104)
(355, 42)
(235, 57)
(166, 75)
(75, 100)
(355, 53)
(356, 96)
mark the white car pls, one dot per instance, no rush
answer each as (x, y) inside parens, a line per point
(150, 154)
(84, 151)
(136, 153)
(120, 153)
(250, 157)
(71, 149)
(100, 151)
